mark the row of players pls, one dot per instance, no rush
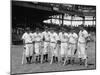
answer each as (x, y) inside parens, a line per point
(59, 44)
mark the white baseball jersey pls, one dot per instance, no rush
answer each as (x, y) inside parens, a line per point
(37, 36)
(29, 47)
(82, 35)
(57, 37)
(32, 36)
(66, 37)
(27, 37)
(53, 37)
(82, 45)
(46, 35)
(62, 37)
(73, 37)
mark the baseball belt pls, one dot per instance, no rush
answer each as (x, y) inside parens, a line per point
(81, 42)
(46, 41)
(64, 42)
(52, 42)
(72, 43)
(28, 43)
(37, 41)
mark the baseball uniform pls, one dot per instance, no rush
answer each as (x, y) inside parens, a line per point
(28, 44)
(53, 43)
(63, 39)
(46, 41)
(82, 44)
(72, 44)
(37, 37)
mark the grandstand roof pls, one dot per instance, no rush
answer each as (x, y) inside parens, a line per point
(38, 11)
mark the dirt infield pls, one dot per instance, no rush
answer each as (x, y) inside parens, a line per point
(17, 67)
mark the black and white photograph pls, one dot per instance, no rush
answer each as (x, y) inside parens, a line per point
(52, 37)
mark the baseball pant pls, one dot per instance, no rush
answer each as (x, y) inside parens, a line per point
(46, 44)
(64, 49)
(37, 48)
(29, 50)
(71, 50)
(82, 50)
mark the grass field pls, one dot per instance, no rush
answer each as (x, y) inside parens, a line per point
(17, 67)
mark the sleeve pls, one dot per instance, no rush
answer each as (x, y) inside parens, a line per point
(41, 34)
(49, 36)
(23, 36)
(80, 33)
(76, 36)
(57, 37)
(33, 38)
(60, 36)
(69, 35)
(85, 34)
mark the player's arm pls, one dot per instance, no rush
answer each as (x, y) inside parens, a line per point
(76, 37)
(23, 38)
(33, 38)
(86, 36)
(42, 37)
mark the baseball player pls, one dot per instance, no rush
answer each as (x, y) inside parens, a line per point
(66, 39)
(63, 38)
(46, 44)
(53, 36)
(73, 37)
(82, 41)
(33, 40)
(41, 47)
(27, 40)
(57, 47)
(38, 39)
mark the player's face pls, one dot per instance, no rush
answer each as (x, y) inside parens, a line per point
(37, 31)
(65, 31)
(52, 31)
(28, 31)
(81, 28)
(57, 31)
(46, 30)
(62, 31)
(72, 31)
(32, 31)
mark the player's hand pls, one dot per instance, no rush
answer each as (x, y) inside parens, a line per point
(33, 42)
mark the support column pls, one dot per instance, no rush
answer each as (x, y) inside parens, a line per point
(83, 20)
(51, 19)
(93, 21)
(59, 21)
(71, 19)
(62, 20)
(25, 22)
